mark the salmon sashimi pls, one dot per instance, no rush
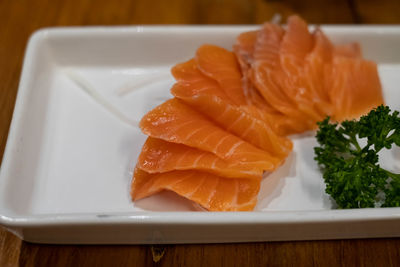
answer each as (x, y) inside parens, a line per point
(212, 192)
(294, 71)
(234, 119)
(348, 50)
(296, 44)
(222, 66)
(232, 111)
(356, 87)
(188, 74)
(207, 97)
(176, 122)
(159, 156)
(317, 63)
(267, 76)
(244, 50)
(267, 58)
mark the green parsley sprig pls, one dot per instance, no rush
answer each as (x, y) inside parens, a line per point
(353, 176)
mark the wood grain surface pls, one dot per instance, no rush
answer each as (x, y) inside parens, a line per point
(19, 18)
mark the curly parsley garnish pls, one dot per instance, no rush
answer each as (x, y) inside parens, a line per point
(353, 176)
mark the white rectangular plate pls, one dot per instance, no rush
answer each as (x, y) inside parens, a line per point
(74, 141)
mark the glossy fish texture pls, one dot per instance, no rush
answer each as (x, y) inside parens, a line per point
(176, 122)
(212, 192)
(160, 156)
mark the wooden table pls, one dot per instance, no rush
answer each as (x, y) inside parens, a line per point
(19, 18)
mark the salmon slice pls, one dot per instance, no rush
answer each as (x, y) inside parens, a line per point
(159, 156)
(356, 87)
(236, 120)
(222, 66)
(296, 44)
(212, 192)
(207, 97)
(244, 50)
(176, 122)
(212, 142)
(266, 63)
(316, 65)
(267, 78)
(188, 74)
(348, 50)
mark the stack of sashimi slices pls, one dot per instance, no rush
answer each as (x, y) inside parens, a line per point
(231, 112)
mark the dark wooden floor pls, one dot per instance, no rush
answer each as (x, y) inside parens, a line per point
(19, 18)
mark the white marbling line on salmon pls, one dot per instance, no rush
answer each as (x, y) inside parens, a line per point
(181, 125)
(205, 139)
(200, 183)
(171, 186)
(196, 131)
(214, 162)
(178, 162)
(197, 160)
(219, 143)
(236, 121)
(248, 129)
(222, 114)
(213, 190)
(233, 148)
(235, 196)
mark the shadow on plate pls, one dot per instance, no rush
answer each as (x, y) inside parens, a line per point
(166, 201)
(272, 184)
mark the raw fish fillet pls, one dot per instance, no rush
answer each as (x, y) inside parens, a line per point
(207, 97)
(296, 44)
(159, 156)
(316, 65)
(212, 192)
(356, 87)
(222, 66)
(244, 49)
(176, 122)
(304, 77)
(348, 50)
(267, 77)
(232, 112)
